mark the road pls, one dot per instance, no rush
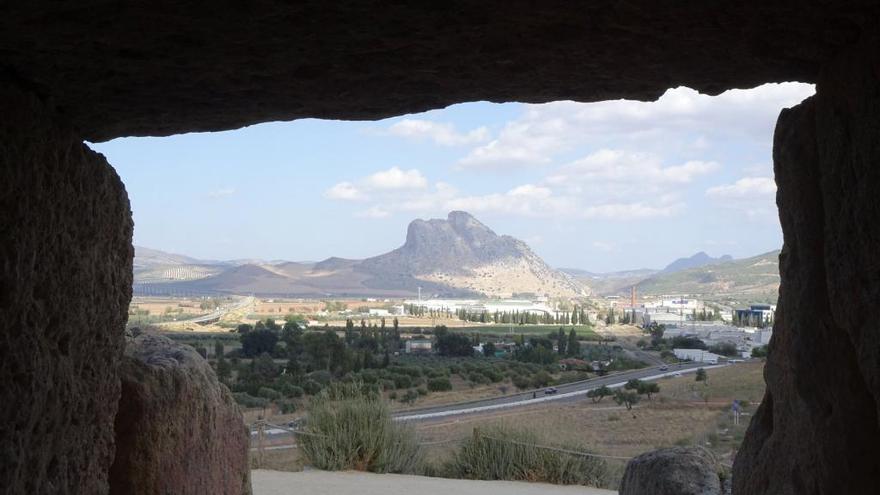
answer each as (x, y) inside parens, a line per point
(567, 392)
(217, 314)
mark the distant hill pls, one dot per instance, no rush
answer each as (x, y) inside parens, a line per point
(456, 256)
(609, 283)
(695, 261)
(756, 278)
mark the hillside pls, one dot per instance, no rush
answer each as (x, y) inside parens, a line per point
(456, 256)
(756, 277)
(696, 261)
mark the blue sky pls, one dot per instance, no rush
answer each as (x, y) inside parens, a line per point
(600, 186)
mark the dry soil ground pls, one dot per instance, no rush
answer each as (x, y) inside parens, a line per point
(344, 483)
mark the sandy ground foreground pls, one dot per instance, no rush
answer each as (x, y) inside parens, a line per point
(343, 483)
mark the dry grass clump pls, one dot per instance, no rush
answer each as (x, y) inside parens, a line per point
(349, 427)
(504, 453)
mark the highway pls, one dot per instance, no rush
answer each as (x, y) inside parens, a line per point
(567, 392)
(570, 392)
(217, 314)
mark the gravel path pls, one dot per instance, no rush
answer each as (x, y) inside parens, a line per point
(349, 482)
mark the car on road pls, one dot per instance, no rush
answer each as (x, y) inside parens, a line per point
(664, 368)
(550, 391)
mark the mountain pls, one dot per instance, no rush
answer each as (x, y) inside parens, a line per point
(609, 283)
(458, 256)
(147, 258)
(755, 278)
(695, 261)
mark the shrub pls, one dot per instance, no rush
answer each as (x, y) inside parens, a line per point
(311, 387)
(387, 384)
(541, 379)
(401, 381)
(268, 393)
(287, 406)
(504, 453)
(439, 384)
(422, 391)
(349, 428)
(521, 382)
(477, 377)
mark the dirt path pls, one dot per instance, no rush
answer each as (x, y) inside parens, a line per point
(344, 483)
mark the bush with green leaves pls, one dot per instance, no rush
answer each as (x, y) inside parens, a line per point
(311, 387)
(506, 453)
(401, 381)
(287, 406)
(268, 393)
(439, 384)
(349, 428)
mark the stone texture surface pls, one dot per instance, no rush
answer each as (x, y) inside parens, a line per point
(178, 429)
(817, 431)
(160, 67)
(672, 471)
(65, 285)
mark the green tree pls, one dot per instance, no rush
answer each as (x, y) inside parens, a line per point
(489, 349)
(626, 398)
(597, 394)
(760, 352)
(561, 342)
(701, 376)
(258, 342)
(219, 350)
(649, 388)
(574, 345)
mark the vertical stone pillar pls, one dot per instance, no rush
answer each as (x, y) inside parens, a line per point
(817, 431)
(65, 285)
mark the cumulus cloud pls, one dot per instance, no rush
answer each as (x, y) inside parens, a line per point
(393, 179)
(548, 130)
(634, 167)
(753, 197)
(745, 188)
(345, 191)
(221, 193)
(440, 133)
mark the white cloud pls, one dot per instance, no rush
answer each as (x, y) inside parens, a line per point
(631, 211)
(345, 191)
(443, 134)
(394, 179)
(681, 117)
(753, 197)
(745, 188)
(221, 193)
(618, 166)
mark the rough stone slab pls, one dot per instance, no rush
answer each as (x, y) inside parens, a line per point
(178, 429)
(163, 67)
(65, 285)
(817, 429)
(672, 471)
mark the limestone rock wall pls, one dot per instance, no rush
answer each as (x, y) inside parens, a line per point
(817, 430)
(65, 285)
(178, 429)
